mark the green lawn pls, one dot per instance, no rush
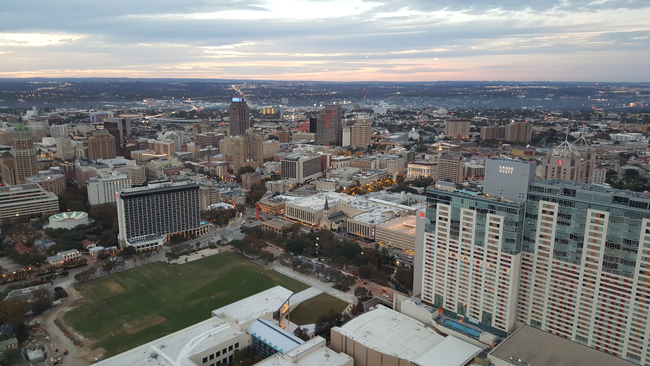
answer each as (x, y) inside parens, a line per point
(133, 307)
(307, 312)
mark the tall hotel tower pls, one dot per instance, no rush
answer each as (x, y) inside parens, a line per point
(570, 259)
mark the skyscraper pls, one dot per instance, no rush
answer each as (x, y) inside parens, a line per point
(328, 127)
(24, 154)
(239, 118)
(101, 145)
(120, 128)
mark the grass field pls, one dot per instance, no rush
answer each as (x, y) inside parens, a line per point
(133, 307)
(307, 312)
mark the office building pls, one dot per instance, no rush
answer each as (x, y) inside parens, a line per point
(176, 138)
(158, 209)
(204, 126)
(101, 145)
(247, 150)
(210, 139)
(450, 167)
(103, 189)
(120, 129)
(328, 126)
(508, 178)
(8, 172)
(26, 201)
(249, 180)
(59, 131)
(165, 147)
(85, 169)
(423, 169)
(457, 128)
(100, 116)
(64, 150)
(398, 232)
(384, 337)
(284, 137)
(300, 168)
(49, 181)
(24, 154)
(238, 114)
(570, 162)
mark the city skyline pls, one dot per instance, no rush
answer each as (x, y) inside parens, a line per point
(329, 41)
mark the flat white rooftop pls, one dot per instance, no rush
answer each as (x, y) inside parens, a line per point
(395, 334)
(254, 307)
(311, 353)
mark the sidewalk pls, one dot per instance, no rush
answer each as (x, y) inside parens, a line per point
(325, 287)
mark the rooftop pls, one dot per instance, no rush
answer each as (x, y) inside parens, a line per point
(253, 307)
(311, 353)
(403, 225)
(73, 215)
(550, 349)
(398, 335)
(44, 177)
(274, 336)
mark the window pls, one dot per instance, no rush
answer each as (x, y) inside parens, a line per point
(217, 354)
(236, 345)
(211, 357)
(230, 358)
(224, 351)
(205, 359)
(230, 348)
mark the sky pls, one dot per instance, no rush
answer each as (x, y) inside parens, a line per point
(334, 40)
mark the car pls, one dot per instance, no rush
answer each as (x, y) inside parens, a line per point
(365, 283)
(382, 290)
(385, 295)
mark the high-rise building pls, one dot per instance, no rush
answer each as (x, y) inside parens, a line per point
(158, 209)
(176, 138)
(508, 178)
(24, 154)
(360, 134)
(284, 137)
(8, 170)
(600, 174)
(569, 261)
(64, 150)
(300, 168)
(103, 189)
(450, 167)
(494, 132)
(120, 128)
(313, 125)
(165, 147)
(238, 114)
(328, 126)
(518, 131)
(570, 162)
(247, 150)
(26, 201)
(101, 145)
(457, 128)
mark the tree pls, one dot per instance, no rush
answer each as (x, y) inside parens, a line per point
(326, 322)
(301, 333)
(343, 282)
(128, 251)
(12, 311)
(267, 257)
(171, 256)
(362, 294)
(42, 301)
(305, 267)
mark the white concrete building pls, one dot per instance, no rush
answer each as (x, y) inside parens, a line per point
(103, 189)
(422, 169)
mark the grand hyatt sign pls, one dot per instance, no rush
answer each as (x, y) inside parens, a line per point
(506, 169)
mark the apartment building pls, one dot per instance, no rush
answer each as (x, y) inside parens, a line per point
(51, 182)
(450, 167)
(101, 145)
(398, 232)
(458, 128)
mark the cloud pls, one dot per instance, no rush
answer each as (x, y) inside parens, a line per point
(329, 40)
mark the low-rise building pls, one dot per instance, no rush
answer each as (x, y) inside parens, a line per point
(26, 200)
(62, 257)
(68, 220)
(422, 169)
(398, 232)
(384, 337)
(277, 226)
(51, 182)
(272, 205)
